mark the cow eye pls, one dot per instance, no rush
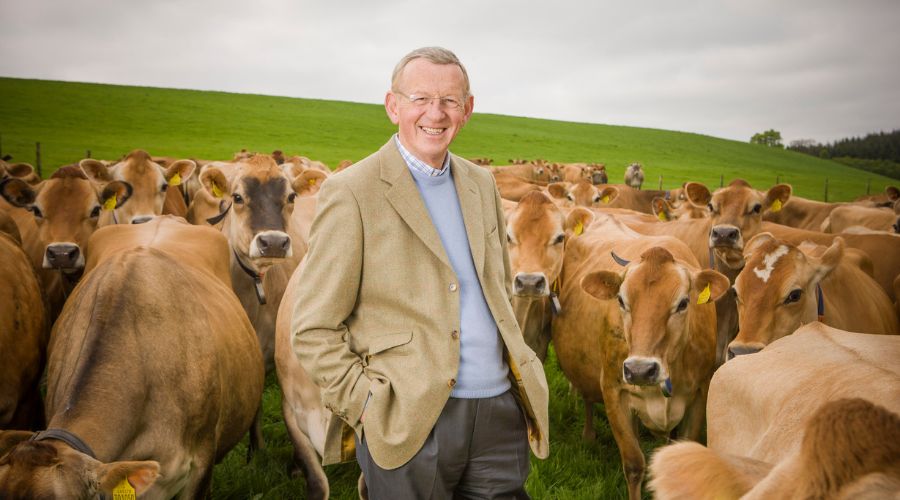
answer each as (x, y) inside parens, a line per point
(570, 197)
(291, 197)
(711, 207)
(756, 208)
(794, 296)
(163, 188)
(36, 211)
(596, 198)
(559, 239)
(237, 198)
(95, 212)
(621, 302)
(682, 305)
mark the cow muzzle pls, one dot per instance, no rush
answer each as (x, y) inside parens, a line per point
(725, 236)
(271, 245)
(642, 371)
(741, 349)
(530, 285)
(598, 178)
(63, 256)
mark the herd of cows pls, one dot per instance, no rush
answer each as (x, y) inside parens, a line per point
(154, 294)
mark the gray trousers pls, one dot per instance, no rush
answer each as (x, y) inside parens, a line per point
(477, 449)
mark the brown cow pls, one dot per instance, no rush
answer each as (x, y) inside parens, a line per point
(782, 287)
(634, 176)
(847, 216)
(513, 187)
(528, 171)
(55, 219)
(802, 213)
(655, 352)
(536, 234)
(22, 171)
(582, 194)
(143, 368)
(23, 334)
(758, 409)
(150, 183)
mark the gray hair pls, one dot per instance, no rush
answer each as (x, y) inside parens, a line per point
(436, 55)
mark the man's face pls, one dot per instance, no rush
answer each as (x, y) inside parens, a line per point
(427, 130)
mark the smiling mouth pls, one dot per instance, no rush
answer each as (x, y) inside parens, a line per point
(432, 131)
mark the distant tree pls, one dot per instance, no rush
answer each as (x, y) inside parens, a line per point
(802, 144)
(770, 138)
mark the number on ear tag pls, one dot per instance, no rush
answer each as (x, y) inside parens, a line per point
(124, 491)
(703, 298)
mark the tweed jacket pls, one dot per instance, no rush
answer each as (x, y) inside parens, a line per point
(378, 309)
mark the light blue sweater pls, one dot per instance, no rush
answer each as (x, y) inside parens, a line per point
(482, 369)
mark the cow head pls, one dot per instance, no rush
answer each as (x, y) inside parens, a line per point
(51, 469)
(583, 194)
(776, 291)
(259, 199)
(598, 173)
(66, 208)
(536, 236)
(148, 179)
(736, 212)
(660, 299)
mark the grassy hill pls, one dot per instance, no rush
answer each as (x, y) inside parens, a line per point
(109, 120)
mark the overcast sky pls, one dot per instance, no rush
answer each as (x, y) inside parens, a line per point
(821, 69)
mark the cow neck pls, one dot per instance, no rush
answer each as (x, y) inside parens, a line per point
(74, 442)
(256, 277)
(68, 281)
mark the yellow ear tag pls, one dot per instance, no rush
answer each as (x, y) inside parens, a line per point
(579, 228)
(776, 206)
(312, 182)
(110, 203)
(216, 191)
(175, 180)
(703, 298)
(605, 199)
(124, 491)
(662, 216)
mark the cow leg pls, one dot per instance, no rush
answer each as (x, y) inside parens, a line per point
(726, 325)
(257, 442)
(306, 460)
(691, 426)
(588, 433)
(622, 424)
(199, 483)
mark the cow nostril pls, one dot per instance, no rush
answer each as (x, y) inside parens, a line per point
(539, 284)
(627, 372)
(653, 371)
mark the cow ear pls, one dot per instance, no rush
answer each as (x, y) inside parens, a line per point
(215, 182)
(578, 220)
(776, 197)
(603, 285)
(9, 439)
(661, 209)
(95, 170)
(115, 194)
(892, 192)
(292, 170)
(558, 190)
(140, 475)
(179, 171)
(20, 170)
(309, 182)
(755, 242)
(17, 192)
(697, 194)
(717, 282)
(608, 194)
(829, 260)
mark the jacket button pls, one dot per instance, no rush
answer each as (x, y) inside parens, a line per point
(452, 287)
(454, 334)
(451, 382)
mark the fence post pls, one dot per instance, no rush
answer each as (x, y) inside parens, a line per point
(37, 159)
(778, 179)
(826, 189)
(87, 154)
(868, 185)
(721, 180)
(660, 183)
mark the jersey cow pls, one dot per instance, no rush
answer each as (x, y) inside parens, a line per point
(153, 360)
(814, 415)
(641, 338)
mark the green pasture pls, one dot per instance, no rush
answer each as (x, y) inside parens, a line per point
(109, 120)
(70, 118)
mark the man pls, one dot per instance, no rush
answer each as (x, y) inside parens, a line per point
(404, 318)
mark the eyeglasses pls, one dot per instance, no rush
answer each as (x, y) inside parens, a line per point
(445, 102)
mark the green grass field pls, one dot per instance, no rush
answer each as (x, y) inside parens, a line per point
(70, 118)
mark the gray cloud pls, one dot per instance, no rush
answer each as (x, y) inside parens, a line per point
(818, 69)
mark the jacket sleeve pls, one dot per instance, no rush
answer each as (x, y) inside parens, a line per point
(329, 286)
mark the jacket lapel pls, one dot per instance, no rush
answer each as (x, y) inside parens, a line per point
(470, 203)
(404, 196)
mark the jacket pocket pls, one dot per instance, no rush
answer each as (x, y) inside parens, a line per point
(389, 341)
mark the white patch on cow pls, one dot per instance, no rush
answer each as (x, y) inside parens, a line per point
(764, 273)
